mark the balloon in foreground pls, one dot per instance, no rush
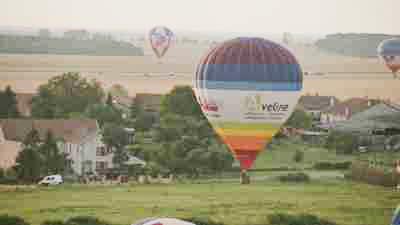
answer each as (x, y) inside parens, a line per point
(162, 221)
(389, 52)
(247, 88)
(396, 217)
(160, 40)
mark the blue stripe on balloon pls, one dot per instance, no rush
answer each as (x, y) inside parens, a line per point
(251, 72)
(250, 86)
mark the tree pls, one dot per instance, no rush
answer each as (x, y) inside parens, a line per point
(118, 90)
(32, 139)
(144, 122)
(66, 94)
(104, 113)
(135, 110)
(299, 119)
(8, 106)
(109, 100)
(115, 137)
(54, 160)
(182, 101)
(28, 165)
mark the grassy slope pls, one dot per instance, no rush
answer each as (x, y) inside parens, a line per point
(345, 203)
(282, 155)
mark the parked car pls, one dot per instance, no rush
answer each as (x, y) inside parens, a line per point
(51, 180)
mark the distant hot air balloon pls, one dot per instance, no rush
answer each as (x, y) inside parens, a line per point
(160, 39)
(396, 216)
(247, 88)
(389, 52)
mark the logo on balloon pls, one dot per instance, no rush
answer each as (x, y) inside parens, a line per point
(254, 104)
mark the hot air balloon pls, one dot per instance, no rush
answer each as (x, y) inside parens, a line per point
(396, 216)
(162, 221)
(160, 39)
(247, 88)
(389, 52)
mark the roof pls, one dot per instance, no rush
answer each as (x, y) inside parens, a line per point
(353, 105)
(316, 102)
(380, 116)
(70, 130)
(24, 101)
(149, 101)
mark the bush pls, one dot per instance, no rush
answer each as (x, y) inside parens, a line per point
(12, 220)
(303, 219)
(85, 220)
(332, 165)
(53, 222)
(294, 177)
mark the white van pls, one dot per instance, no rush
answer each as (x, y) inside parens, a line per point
(51, 180)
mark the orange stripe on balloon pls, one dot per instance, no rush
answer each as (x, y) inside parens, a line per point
(245, 143)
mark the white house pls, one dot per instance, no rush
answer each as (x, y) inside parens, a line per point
(314, 105)
(79, 138)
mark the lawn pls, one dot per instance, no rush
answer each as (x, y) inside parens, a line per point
(280, 154)
(336, 200)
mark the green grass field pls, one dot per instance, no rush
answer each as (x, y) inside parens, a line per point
(231, 203)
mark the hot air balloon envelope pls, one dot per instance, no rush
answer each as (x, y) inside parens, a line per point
(247, 88)
(162, 221)
(389, 51)
(160, 39)
(396, 216)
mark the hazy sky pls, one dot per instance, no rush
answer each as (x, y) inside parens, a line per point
(253, 16)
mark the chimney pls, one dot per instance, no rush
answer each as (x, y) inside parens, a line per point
(331, 102)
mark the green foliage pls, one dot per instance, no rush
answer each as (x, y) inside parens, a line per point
(343, 142)
(135, 110)
(104, 113)
(8, 106)
(117, 138)
(66, 94)
(181, 101)
(332, 165)
(40, 45)
(118, 90)
(299, 119)
(11, 220)
(144, 121)
(53, 160)
(302, 219)
(298, 156)
(295, 177)
(109, 100)
(28, 165)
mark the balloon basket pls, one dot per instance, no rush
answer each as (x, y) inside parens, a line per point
(244, 178)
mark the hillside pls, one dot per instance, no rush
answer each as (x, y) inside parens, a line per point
(35, 45)
(358, 45)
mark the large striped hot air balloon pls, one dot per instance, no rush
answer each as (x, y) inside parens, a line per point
(247, 88)
(389, 52)
(396, 216)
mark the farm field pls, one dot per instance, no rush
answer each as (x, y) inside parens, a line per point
(228, 202)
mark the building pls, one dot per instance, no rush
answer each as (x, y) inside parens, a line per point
(345, 110)
(314, 105)
(79, 138)
(24, 103)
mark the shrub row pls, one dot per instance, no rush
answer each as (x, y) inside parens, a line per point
(332, 165)
(294, 177)
(275, 219)
(376, 176)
